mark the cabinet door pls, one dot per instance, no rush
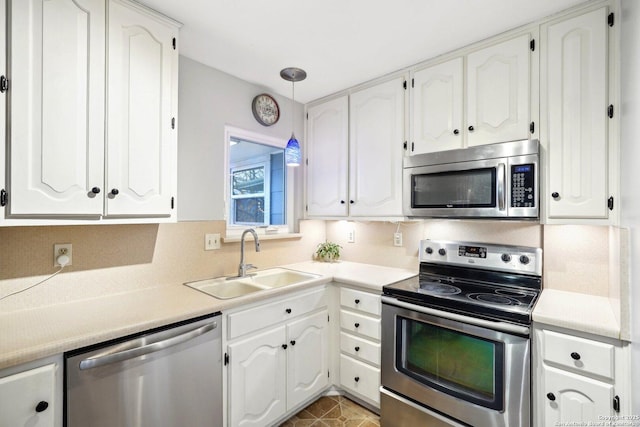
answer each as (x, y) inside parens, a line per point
(376, 135)
(307, 358)
(22, 393)
(328, 154)
(574, 398)
(257, 379)
(576, 103)
(141, 162)
(437, 108)
(498, 96)
(57, 106)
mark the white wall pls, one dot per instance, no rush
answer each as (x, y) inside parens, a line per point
(630, 149)
(208, 100)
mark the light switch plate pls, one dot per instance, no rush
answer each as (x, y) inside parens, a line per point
(211, 241)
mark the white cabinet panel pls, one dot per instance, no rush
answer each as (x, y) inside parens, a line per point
(376, 135)
(257, 379)
(437, 108)
(498, 92)
(140, 159)
(360, 378)
(28, 398)
(57, 106)
(328, 155)
(307, 358)
(576, 103)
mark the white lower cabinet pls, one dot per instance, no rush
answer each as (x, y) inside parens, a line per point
(31, 395)
(281, 362)
(360, 344)
(578, 378)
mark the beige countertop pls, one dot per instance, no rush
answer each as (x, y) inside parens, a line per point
(578, 312)
(28, 335)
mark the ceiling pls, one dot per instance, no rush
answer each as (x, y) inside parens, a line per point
(339, 43)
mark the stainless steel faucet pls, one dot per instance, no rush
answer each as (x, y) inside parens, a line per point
(242, 268)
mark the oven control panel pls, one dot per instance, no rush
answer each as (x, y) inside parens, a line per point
(516, 259)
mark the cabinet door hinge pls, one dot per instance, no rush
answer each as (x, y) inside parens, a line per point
(532, 45)
(173, 122)
(4, 84)
(3, 197)
(306, 208)
(328, 376)
(306, 162)
(307, 116)
(404, 85)
(616, 403)
(610, 19)
(532, 127)
(173, 202)
(610, 111)
(610, 203)
(226, 359)
(404, 145)
(327, 317)
(413, 147)
(173, 43)
(413, 82)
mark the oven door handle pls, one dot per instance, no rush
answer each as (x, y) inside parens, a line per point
(498, 326)
(501, 186)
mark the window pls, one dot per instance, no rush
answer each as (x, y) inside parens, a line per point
(257, 192)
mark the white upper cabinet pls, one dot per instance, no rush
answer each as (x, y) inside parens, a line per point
(143, 63)
(498, 89)
(376, 135)
(64, 161)
(575, 97)
(481, 98)
(436, 106)
(328, 158)
(355, 150)
(57, 107)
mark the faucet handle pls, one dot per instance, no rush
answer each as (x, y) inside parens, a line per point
(249, 266)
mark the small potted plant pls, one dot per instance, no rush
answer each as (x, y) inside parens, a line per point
(328, 252)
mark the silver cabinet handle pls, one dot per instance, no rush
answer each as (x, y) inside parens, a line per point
(140, 348)
(501, 184)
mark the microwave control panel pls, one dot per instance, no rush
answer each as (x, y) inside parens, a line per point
(523, 186)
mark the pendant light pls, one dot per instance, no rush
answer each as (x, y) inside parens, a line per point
(292, 153)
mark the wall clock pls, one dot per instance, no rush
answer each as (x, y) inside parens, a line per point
(265, 109)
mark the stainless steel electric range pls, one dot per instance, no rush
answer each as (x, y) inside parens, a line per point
(455, 339)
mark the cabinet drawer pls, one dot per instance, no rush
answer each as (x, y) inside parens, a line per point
(362, 301)
(275, 312)
(360, 325)
(360, 378)
(360, 348)
(579, 353)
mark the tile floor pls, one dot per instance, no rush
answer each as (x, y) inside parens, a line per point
(332, 411)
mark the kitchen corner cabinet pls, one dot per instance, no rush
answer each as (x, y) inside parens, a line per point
(578, 378)
(360, 344)
(496, 101)
(92, 108)
(576, 128)
(278, 357)
(31, 394)
(355, 150)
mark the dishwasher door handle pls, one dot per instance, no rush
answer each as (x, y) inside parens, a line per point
(109, 357)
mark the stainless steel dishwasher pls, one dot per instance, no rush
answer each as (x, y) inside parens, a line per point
(167, 377)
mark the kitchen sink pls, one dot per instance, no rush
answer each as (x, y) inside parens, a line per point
(233, 287)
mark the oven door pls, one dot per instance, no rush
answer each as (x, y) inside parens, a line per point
(472, 370)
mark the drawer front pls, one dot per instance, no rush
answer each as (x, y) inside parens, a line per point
(579, 353)
(360, 378)
(359, 300)
(360, 348)
(360, 325)
(269, 314)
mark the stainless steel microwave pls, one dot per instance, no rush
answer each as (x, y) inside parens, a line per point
(487, 181)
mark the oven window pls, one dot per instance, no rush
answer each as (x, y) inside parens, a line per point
(456, 363)
(473, 188)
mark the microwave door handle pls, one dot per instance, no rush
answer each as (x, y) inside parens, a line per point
(501, 186)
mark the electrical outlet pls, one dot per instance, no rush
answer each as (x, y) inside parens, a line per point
(62, 249)
(351, 236)
(397, 239)
(211, 241)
